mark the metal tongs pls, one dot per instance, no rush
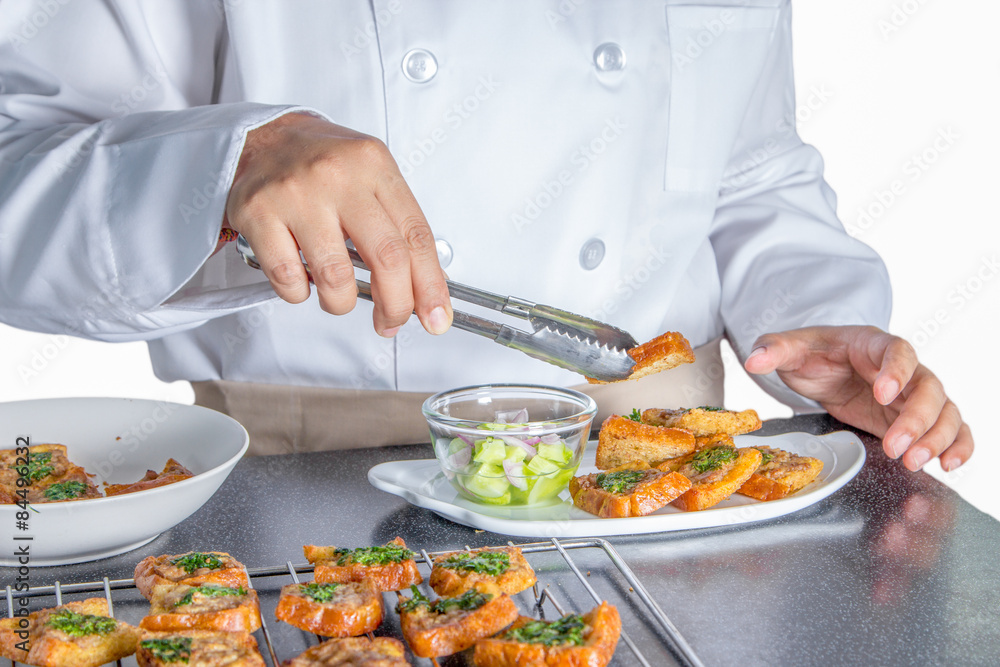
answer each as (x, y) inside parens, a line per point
(580, 344)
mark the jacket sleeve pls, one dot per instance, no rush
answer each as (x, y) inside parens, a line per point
(115, 168)
(785, 260)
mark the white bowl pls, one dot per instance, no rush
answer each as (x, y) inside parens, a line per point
(117, 439)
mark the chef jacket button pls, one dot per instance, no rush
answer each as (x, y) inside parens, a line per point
(591, 254)
(419, 66)
(609, 57)
(445, 253)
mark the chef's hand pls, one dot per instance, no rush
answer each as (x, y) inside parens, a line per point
(872, 380)
(304, 183)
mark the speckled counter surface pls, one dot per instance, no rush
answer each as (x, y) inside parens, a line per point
(893, 569)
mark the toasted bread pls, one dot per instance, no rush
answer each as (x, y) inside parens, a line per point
(601, 629)
(780, 474)
(664, 352)
(704, 421)
(378, 652)
(716, 472)
(390, 568)
(205, 607)
(192, 568)
(54, 639)
(450, 625)
(630, 490)
(172, 472)
(503, 570)
(51, 477)
(622, 441)
(198, 648)
(332, 610)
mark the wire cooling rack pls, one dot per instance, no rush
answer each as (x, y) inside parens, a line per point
(543, 595)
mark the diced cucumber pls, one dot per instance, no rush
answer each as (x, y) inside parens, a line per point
(556, 452)
(488, 482)
(516, 453)
(540, 465)
(491, 451)
(549, 486)
(499, 500)
(492, 427)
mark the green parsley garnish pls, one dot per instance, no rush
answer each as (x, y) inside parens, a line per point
(709, 408)
(80, 625)
(468, 601)
(170, 649)
(712, 458)
(210, 592)
(197, 560)
(485, 562)
(411, 603)
(765, 456)
(319, 592)
(390, 553)
(38, 466)
(636, 416)
(65, 490)
(568, 630)
(622, 481)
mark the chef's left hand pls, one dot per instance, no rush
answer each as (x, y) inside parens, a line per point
(872, 380)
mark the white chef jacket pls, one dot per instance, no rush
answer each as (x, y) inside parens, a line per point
(634, 161)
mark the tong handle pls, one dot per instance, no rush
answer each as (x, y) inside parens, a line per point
(460, 320)
(510, 305)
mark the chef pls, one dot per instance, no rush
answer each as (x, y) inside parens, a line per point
(631, 161)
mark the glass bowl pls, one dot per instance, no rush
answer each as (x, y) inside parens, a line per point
(506, 444)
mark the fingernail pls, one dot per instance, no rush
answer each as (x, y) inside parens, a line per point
(389, 333)
(438, 320)
(889, 391)
(949, 465)
(900, 445)
(757, 351)
(920, 457)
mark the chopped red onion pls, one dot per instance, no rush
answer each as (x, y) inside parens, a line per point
(466, 439)
(460, 459)
(514, 470)
(520, 444)
(534, 440)
(551, 439)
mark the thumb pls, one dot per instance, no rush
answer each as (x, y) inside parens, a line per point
(775, 352)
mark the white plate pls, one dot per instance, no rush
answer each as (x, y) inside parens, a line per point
(422, 484)
(117, 439)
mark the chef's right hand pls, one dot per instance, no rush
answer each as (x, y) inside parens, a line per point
(305, 183)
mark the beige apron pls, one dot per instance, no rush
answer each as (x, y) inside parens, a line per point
(282, 419)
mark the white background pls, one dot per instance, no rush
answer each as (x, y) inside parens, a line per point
(879, 82)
